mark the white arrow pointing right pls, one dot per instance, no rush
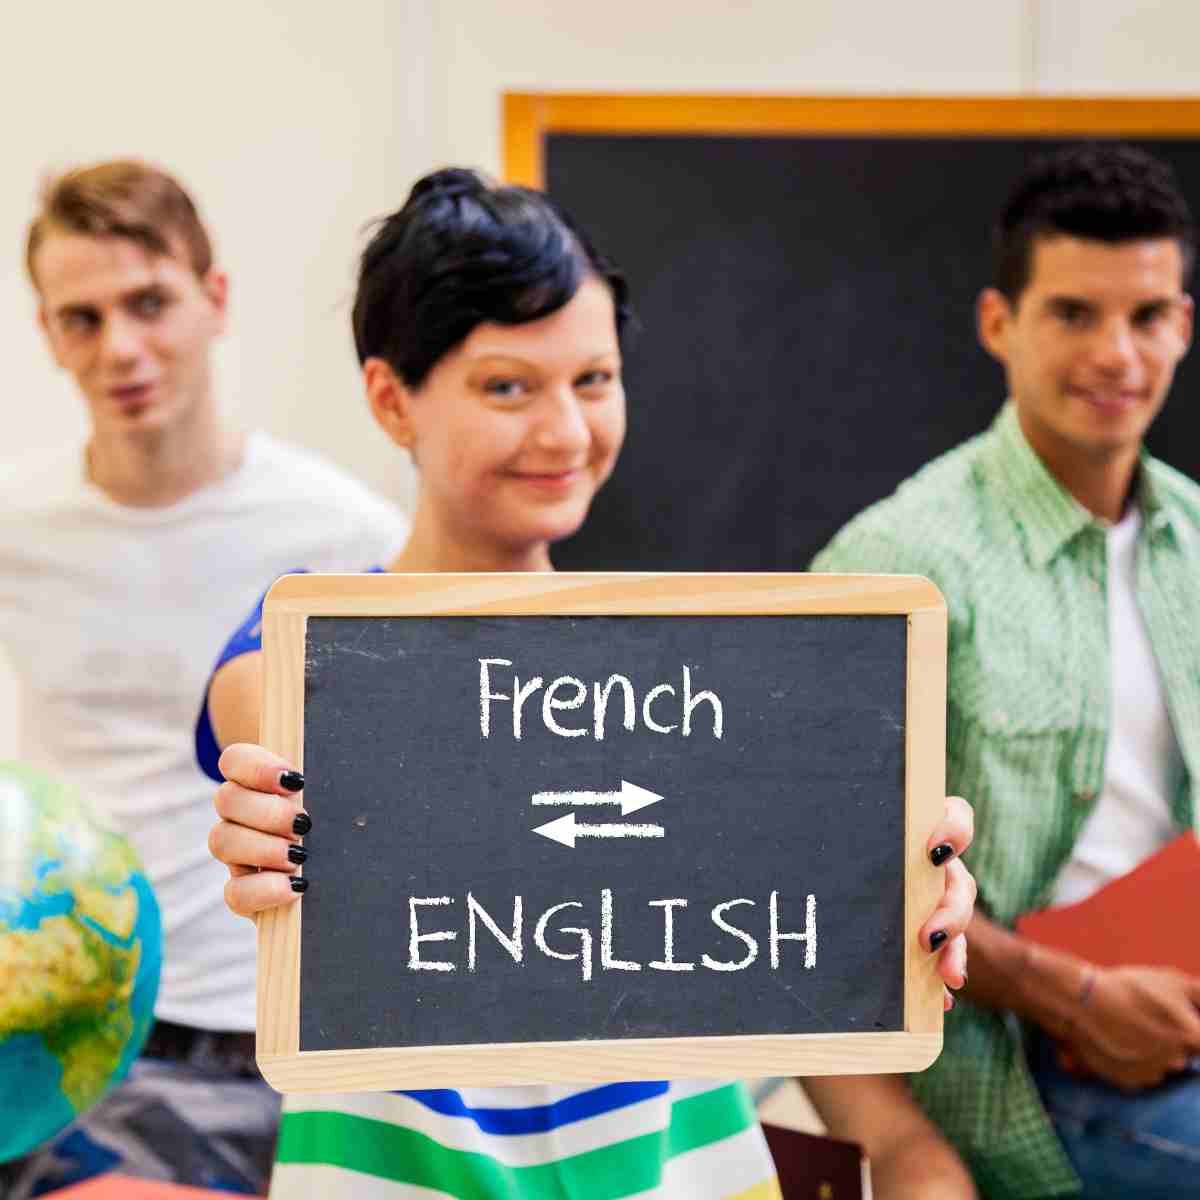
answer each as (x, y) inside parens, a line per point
(630, 797)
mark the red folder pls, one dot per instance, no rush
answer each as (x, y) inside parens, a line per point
(1146, 918)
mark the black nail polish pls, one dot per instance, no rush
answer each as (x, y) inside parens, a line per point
(292, 780)
(939, 854)
(297, 854)
(937, 939)
(302, 824)
(299, 883)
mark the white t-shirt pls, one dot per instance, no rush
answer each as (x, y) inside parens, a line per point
(113, 617)
(1142, 765)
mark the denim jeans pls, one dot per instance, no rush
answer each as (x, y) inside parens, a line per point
(1144, 1145)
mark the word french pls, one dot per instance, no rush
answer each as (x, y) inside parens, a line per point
(567, 693)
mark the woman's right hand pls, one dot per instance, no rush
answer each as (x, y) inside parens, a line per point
(262, 820)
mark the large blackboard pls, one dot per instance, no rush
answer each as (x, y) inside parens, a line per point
(583, 825)
(808, 337)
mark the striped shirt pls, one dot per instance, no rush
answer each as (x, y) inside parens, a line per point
(1023, 568)
(671, 1141)
(674, 1141)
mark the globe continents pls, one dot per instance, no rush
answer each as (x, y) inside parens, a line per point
(80, 952)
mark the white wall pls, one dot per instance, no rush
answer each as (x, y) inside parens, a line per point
(942, 47)
(1118, 47)
(294, 121)
(483, 48)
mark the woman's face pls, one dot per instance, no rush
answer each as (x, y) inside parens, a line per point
(514, 430)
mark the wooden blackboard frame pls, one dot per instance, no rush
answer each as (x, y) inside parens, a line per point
(529, 117)
(295, 598)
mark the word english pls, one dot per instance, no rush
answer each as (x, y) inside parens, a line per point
(514, 943)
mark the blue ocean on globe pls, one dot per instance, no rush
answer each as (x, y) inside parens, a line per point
(80, 957)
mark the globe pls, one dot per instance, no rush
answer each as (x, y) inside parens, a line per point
(80, 953)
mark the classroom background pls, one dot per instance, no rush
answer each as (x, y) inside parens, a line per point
(294, 123)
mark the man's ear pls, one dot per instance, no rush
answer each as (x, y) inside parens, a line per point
(216, 287)
(1187, 321)
(391, 402)
(993, 319)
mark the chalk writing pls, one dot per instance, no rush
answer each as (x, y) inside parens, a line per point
(660, 704)
(564, 947)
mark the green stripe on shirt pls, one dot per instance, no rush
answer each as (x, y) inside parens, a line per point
(403, 1155)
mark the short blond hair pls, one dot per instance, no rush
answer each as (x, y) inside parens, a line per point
(125, 199)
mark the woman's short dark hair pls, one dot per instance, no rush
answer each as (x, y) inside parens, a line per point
(464, 251)
(1106, 193)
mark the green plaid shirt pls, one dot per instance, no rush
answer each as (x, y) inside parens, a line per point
(1024, 571)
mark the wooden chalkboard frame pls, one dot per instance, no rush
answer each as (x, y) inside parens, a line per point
(295, 598)
(529, 117)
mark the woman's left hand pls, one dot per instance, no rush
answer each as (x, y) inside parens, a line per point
(944, 932)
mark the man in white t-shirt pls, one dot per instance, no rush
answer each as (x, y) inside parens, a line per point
(124, 562)
(1070, 561)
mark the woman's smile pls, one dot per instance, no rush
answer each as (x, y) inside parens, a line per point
(551, 482)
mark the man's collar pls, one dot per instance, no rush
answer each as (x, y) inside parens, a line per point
(1156, 511)
(1047, 516)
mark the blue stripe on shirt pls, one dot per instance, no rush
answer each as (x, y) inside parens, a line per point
(539, 1118)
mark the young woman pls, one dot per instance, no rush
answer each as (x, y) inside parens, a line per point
(490, 330)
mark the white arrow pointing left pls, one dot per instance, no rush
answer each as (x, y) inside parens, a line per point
(566, 829)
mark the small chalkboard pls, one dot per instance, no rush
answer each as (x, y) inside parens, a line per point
(593, 827)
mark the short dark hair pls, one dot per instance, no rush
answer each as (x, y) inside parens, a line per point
(1102, 192)
(123, 199)
(464, 251)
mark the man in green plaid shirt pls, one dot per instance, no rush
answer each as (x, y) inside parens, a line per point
(1070, 562)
